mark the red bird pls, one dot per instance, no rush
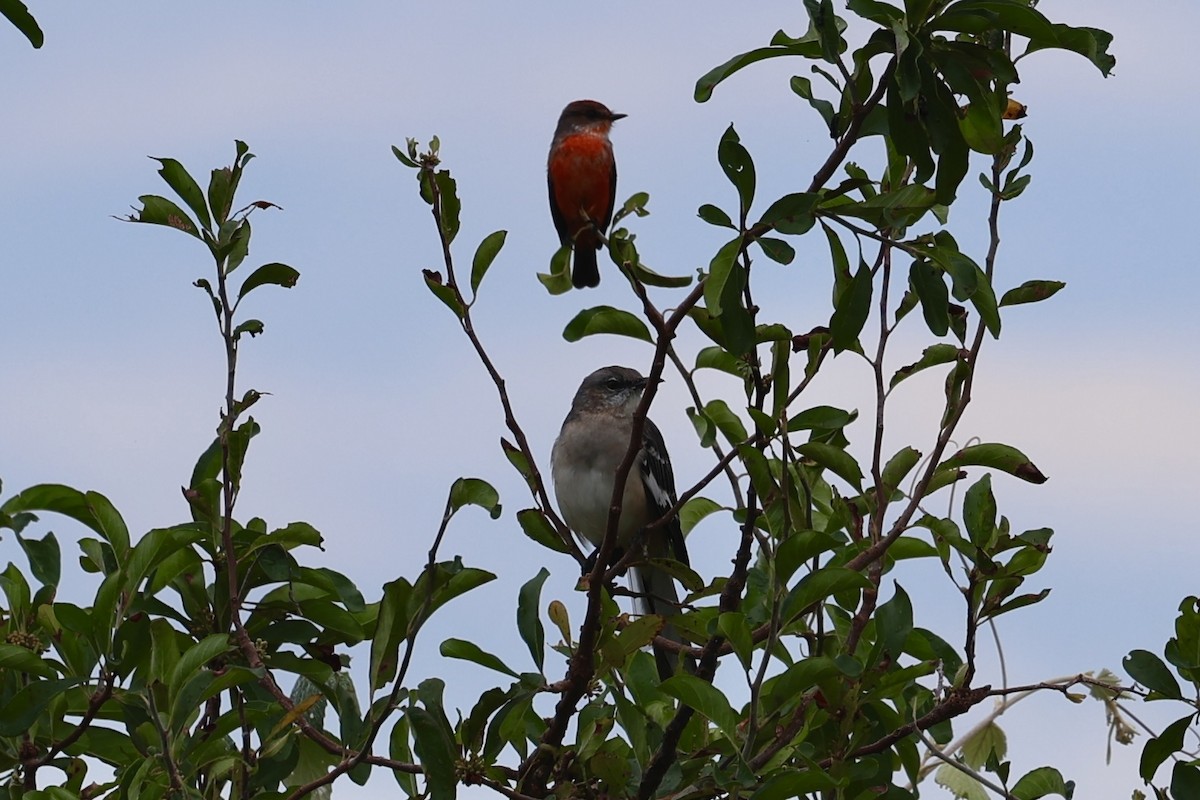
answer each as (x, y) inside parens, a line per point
(582, 175)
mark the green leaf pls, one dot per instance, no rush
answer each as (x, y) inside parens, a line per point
(1041, 782)
(824, 22)
(932, 356)
(399, 750)
(474, 725)
(1183, 651)
(605, 319)
(92, 509)
(476, 492)
(738, 166)
(808, 46)
(722, 271)
(436, 751)
(633, 637)
(800, 678)
(404, 159)
(837, 254)
(161, 211)
(981, 128)
(719, 359)
(220, 194)
(996, 456)
(816, 586)
(636, 205)
(468, 651)
(984, 743)
(894, 622)
(930, 288)
(704, 427)
(979, 513)
(339, 584)
(236, 244)
(715, 216)
(1158, 749)
(452, 580)
(1185, 780)
(529, 621)
(451, 206)
(18, 14)
(799, 547)
(952, 165)
(45, 558)
(624, 255)
(727, 422)
(821, 418)
(792, 213)
(834, 459)
(895, 209)
(25, 706)
(1031, 292)
(339, 624)
(695, 510)
(853, 308)
(961, 785)
(444, 292)
(197, 656)
(1148, 670)
(519, 460)
(803, 87)
(777, 250)
(704, 698)
(535, 525)
(794, 783)
(251, 326)
(735, 628)
(18, 659)
(488, 249)
(273, 273)
(558, 280)
(391, 627)
(984, 300)
(1092, 43)
(898, 466)
(186, 187)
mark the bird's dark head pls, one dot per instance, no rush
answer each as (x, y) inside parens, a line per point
(587, 115)
(611, 387)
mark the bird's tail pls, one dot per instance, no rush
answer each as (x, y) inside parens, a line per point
(657, 595)
(585, 273)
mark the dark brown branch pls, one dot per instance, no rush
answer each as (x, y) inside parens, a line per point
(95, 702)
(581, 667)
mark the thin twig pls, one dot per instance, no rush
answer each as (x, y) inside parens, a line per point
(963, 768)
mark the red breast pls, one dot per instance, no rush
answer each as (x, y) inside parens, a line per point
(581, 171)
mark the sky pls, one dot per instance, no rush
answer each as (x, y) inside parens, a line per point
(114, 369)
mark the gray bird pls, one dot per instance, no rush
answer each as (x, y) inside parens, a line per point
(589, 449)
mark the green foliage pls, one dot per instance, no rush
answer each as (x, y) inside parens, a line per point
(18, 14)
(805, 604)
(174, 673)
(1182, 653)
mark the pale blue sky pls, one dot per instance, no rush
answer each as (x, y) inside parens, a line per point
(113, 369)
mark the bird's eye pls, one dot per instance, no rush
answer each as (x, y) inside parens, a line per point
(613, 383)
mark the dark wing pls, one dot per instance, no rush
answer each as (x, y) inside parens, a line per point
(612, 199)
(560, 224)
(659, 479)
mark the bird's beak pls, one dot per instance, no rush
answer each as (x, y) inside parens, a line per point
(616, 117)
